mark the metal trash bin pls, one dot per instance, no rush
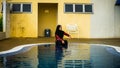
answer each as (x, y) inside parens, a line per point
(47, 32)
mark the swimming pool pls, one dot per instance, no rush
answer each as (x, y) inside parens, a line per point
(77, 56)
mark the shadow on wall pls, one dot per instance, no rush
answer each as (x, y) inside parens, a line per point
(2, 34)
(1, 26)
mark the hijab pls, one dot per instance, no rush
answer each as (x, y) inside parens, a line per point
(59, 32)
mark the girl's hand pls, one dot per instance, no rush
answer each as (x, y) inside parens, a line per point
(63, 42)
(70, 37)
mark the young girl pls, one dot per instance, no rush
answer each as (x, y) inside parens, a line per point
(60, 42)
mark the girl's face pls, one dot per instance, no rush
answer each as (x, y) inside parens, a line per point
(60, 28)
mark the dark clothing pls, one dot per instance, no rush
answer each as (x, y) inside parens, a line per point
(60, 34)
(59, 38)
(60, 45)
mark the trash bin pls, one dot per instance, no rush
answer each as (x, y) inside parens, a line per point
(47, 32)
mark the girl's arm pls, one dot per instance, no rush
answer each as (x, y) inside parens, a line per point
(58, 38)
(66, 34)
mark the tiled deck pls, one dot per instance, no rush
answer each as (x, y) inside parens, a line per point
(12, 42)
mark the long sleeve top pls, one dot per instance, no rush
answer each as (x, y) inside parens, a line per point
(60, 34)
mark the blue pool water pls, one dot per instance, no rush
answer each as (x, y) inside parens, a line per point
(77, 56)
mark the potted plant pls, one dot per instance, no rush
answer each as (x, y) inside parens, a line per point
(1, 24)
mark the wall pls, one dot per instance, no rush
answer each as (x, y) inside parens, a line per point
(24, 24)
(2, 35)
(117, 21)
(82, 20)
(47, 1)
(102, 21)
(0, 8)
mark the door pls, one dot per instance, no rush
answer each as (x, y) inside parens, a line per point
(47, 18)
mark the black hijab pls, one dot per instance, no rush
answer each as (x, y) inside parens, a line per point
(59, 32)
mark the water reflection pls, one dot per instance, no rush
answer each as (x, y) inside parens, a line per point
(23, 60)
(77, 56)
(104, 57)
(46, 57)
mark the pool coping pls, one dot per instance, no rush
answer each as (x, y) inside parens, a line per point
(115, 47)
(19, 49)
(25, 47)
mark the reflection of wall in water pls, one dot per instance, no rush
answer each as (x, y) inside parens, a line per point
(24, 60)
(46, 56)
(79, 56)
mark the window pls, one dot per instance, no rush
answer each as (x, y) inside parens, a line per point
(69, 8)
(26, 7)
(20, 7)
(78, 8)
(16, 7)
(88, 8)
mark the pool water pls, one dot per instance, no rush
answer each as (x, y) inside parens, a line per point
(76, 56)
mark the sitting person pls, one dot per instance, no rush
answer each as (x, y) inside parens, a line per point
(60, 42)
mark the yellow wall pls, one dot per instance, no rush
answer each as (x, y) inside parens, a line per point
(26, 24)
(47, 18)
(82, 20)
(0, 8)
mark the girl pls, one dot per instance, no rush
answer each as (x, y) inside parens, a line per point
(60, 42)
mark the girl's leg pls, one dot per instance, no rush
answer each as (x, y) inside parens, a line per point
(65, 45)
(58, 45)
